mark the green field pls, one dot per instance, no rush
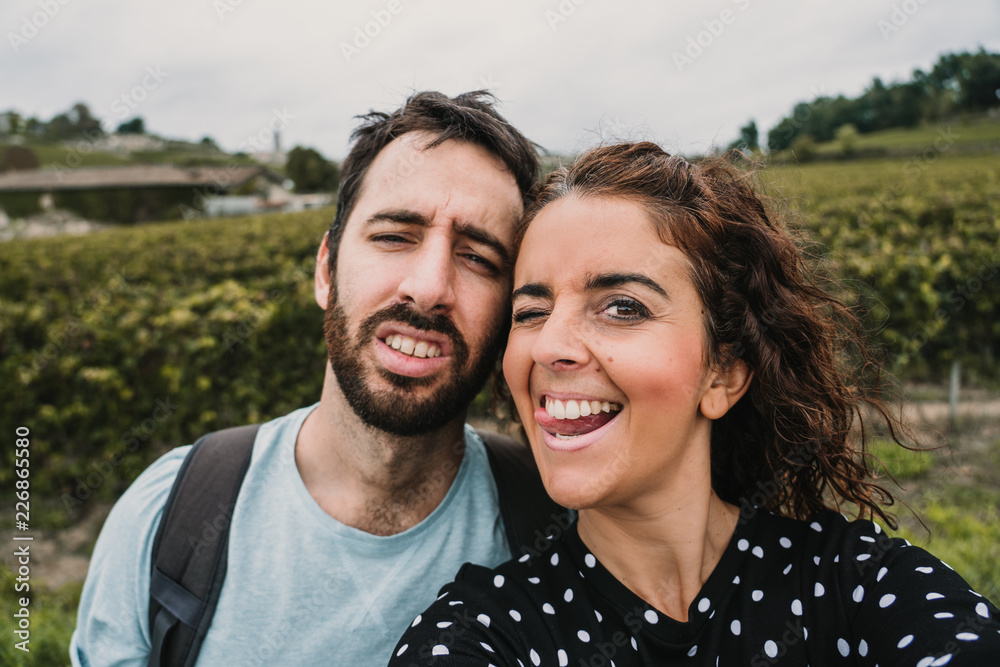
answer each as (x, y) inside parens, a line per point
(963, 136)
(70, 155)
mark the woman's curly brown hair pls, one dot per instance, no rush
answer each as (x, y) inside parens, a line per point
(795, 443)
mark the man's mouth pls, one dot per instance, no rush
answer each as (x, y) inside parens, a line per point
(571, 418)
(412, 347)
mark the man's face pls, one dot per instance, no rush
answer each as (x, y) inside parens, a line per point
(414, 318)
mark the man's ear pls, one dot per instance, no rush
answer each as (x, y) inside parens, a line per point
(322, 280)
(728, 386)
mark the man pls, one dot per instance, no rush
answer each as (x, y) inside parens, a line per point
(355, 511)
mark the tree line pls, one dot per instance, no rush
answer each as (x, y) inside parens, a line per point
(959, 83)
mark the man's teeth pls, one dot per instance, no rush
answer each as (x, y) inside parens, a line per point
(413, 348)
(575, 409)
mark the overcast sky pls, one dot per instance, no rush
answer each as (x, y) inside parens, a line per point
(568, 72)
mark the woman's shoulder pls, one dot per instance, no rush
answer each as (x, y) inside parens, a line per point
(894, 598)
(535, 571)
(853, 549)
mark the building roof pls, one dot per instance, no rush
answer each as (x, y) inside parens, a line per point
(130, 176)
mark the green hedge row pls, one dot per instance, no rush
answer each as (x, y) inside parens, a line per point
(119, 345)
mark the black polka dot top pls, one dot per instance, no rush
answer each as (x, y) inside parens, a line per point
(785, 592)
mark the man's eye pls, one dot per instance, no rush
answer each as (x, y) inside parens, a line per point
(389, 238)
(479, 260)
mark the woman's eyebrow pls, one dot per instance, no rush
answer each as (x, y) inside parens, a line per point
(610, 280)
(532, 289)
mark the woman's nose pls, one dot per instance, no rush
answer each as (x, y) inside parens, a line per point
(560, 344)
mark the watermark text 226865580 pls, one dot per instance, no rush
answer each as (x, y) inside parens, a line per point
(22, 553)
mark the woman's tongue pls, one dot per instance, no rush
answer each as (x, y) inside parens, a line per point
(572, 426)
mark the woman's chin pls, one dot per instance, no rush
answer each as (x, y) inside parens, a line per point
(572, 491)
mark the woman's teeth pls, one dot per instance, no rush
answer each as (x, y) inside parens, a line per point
(413, 348)
(572, 409)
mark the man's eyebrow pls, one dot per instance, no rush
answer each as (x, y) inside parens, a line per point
(532, 289)
(610, 280)
(401, 215)
(408, 217)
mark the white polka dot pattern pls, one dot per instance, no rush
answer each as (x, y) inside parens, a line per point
(556, 607)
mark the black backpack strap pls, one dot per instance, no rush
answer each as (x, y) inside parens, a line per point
(191, 544)
(529, 515)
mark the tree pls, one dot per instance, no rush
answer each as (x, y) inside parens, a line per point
(958, 82)
(749, 136)
(310, 171)
(77, 123)
(847, 138)
(135, 126)
(749, 140)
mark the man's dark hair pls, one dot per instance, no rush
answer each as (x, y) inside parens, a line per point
(469, 117)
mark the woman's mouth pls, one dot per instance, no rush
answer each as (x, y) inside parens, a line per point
(572, 424)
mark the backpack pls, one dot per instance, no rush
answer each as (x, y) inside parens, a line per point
(188, 570)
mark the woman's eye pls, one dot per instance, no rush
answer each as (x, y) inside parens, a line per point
(626, 309)
(522, 316)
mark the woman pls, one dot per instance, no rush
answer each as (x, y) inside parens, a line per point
(682, 384)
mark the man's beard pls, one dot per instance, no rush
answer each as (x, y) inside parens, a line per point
(399, 412)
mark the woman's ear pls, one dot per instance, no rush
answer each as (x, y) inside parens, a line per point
(322, 279)
(728, 386)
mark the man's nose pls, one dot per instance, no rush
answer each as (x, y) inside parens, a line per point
(430, 281)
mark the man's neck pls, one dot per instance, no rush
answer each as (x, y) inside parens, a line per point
(369, 479)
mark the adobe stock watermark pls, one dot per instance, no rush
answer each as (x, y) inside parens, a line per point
(245, 327)
(562, 12)
(899, 16)
(489, 83)
(261, 141)
(264, 139)
(363, 35)
(131, 438)
(954, 301)
(125, 104)
(57, 343)
(32, 24)
(122, 106)
(801, 114)
(914, 169)
(698, 43)
(223, 7)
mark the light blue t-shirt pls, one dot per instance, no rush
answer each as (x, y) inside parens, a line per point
(301, 587)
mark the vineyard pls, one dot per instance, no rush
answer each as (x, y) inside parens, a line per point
(120, 344)
(917, 242)
(117, 346)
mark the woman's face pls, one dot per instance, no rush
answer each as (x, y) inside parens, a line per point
(606, 356)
